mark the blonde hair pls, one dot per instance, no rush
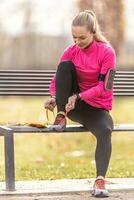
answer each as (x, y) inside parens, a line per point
(88, 18)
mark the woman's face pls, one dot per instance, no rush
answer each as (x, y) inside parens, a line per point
(81, 36)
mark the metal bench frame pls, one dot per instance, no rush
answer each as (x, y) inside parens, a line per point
(36, 83)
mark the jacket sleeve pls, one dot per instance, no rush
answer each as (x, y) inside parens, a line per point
(108, 62)
(65, 56)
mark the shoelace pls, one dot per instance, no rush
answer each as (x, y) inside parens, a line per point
(100, 183)
(47, 115)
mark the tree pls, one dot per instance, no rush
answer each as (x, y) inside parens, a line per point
(110, 15)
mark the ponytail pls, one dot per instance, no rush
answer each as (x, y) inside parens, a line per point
(88, 18)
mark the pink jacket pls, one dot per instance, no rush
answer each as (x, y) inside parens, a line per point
(89, 63)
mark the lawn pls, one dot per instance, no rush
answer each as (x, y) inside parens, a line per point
(41, 156)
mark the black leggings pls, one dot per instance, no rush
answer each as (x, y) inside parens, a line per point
(96, 120)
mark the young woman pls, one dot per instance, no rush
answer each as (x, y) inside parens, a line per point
(82, 89)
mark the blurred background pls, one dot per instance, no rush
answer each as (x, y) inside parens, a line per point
(32, 32)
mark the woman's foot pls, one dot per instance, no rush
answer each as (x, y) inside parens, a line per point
(59, 123)
(99, 189)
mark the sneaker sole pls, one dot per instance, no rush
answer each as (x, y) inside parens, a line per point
(100, 193)
(57, 128)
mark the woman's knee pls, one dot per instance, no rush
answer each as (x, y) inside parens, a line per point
(104, 133)
(66, 66)
(107, 130)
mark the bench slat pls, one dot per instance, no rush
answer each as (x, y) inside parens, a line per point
(25, 78)
(25, 93)
(70, 128)
(24, 82)
(28, 71)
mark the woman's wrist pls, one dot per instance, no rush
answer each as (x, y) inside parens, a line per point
(78, 96)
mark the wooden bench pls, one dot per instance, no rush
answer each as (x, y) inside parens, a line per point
(36, 83)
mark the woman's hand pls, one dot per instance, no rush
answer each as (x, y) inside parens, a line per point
(71, 103)
(50, 103)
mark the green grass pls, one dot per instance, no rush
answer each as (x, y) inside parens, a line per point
(41, 156)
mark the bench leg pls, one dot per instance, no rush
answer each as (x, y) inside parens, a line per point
(9, 161)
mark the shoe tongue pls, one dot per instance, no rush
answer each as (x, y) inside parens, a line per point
(100, 183)
(60, 115)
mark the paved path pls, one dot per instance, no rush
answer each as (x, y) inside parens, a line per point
(116, 195)
(68, 189)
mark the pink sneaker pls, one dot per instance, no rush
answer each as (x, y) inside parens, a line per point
(59, 123)
(99, 189)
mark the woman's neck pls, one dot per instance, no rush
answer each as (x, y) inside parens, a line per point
(89, 44)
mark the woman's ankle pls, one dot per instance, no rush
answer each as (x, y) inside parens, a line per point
(100, 177)
(61, 113)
